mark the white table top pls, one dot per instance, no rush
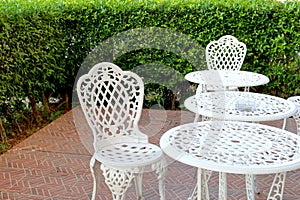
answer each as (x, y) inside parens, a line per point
(233, 147)
(223, 105)
(227, 78)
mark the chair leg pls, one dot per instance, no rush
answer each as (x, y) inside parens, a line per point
(160, 169)
(139, 186)
(96, 174)
(117, 180)
(161, 185)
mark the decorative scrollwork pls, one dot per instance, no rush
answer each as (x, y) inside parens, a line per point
(276, 191)
(227, 53)
(234, 143)
(117, 180)
(112, 101)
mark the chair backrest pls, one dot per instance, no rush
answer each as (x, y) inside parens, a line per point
(227, 53)
(111, 100)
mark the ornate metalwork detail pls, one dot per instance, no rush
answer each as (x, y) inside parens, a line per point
(276, 191)
(224, 105)
(112, 101)
(117, 180)
(230, 143)
(227, 53)
(222, 186)
(250, 186)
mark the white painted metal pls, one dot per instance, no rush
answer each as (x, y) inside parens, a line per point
(227, 53)
(250, 186)
(222, 186)
(277, 188)
(112, 100)
(227, 78)
(225, 105)
(235, 147)
(296, 116)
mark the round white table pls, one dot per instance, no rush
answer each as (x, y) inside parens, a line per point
(227, 105)
(227, 78)
(234, 147)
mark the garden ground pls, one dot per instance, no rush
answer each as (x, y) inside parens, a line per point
(53, 164)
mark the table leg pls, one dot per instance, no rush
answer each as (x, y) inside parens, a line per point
(222, 186)
(276, 190)
(202, 187)
(199, 184)
(284, 124)
(250, 186)
(206, 174)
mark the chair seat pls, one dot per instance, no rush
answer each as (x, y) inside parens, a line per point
(129, 154)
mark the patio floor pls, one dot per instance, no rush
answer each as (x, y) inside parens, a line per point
(53, 164)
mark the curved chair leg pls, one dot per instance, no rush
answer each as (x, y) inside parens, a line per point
(96, 173)
(160, 169)
(117, 180)
(139, 185)
(161, 184)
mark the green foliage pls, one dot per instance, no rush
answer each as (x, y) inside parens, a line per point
(3, 148)
(43, 43)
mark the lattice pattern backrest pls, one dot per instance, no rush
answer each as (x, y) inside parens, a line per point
(225, 54)
(111, 100)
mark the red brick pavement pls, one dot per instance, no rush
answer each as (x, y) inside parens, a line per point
(53, 164)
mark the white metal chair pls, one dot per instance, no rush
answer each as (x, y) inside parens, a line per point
(296, 116)
(227, 53)
(112, 102)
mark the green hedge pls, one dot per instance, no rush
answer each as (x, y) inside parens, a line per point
(43, 43)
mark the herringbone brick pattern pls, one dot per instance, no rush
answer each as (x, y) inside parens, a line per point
(53, 164)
